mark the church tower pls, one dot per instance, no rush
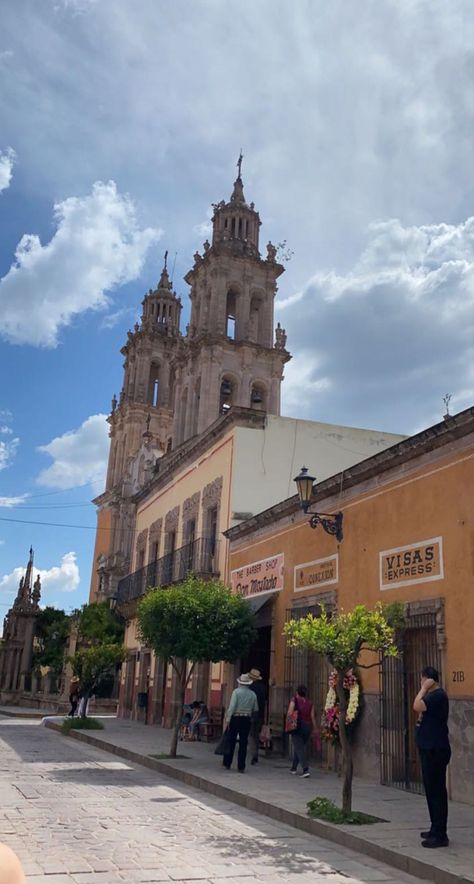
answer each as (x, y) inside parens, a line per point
(175, 387)
(228, 356)
(148, 381)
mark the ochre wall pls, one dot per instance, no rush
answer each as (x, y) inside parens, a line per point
(417, 503)
(102, 546)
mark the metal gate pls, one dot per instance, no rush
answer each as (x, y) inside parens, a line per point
(303, 667)
(399, 685)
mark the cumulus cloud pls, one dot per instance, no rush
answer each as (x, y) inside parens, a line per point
(97, 246)
(9, 502)
(7, 158)
(59, 578)
(393, 334)
(79, 456)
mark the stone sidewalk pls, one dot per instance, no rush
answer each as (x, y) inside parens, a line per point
(267, 788)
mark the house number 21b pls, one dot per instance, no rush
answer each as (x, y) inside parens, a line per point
(458, 675)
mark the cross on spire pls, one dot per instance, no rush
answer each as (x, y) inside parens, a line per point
(239, 162)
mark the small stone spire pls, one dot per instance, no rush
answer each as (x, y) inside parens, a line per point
(36, 594)
(164, 282)
(24, 588)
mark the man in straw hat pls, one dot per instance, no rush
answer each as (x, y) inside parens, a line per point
(238, 719)
(258, 688)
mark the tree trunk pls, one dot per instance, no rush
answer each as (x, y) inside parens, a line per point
(183, 677)
(347, 765)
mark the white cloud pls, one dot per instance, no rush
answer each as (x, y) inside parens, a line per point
(386, 340)
(97, 246)
(7, 159)
(8, 451)
(59, 578)
(112, 319)
(79, 456)
(6, 431)
(9, 502)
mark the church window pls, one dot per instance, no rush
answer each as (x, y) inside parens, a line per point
(226, 396)
(231, 315)
(153, 384)
(257, 397)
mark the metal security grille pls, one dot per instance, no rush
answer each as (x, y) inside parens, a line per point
(399, 684)
(304, 667)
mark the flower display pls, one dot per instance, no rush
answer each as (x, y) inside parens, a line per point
(330, 716)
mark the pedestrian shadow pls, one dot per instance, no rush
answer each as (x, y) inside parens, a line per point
(269, 852)
(100, 776)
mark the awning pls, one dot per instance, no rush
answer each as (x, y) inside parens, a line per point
(258, 601)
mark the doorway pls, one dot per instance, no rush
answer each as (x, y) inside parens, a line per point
(400, 682)
(258, 657)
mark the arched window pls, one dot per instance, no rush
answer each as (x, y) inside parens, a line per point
(258, 397)
(227, 393)
(153, 384)
(231, 308)
(257, 320)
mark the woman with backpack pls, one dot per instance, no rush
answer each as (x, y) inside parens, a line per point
(302, 710)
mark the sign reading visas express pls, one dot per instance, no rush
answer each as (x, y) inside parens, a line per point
(321, 572)
(259, 577)
(414, 563)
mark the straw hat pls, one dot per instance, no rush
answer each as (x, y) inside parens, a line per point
(244, 679)
(255, 675)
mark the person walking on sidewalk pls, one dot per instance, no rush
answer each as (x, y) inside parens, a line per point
(432, 738)
(238, 719)
(258, 688)
(301, 736)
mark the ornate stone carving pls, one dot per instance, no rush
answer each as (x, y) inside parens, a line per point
(171, 520)
(280, 337)
(191, 507)
(211, 494)
(141, 541)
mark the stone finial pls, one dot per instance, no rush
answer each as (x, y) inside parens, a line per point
(280, 337)
(206, 245)
(271, 252)
(114, 403)
(36, 594)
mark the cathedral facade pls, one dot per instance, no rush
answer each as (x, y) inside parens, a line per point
(176, 385)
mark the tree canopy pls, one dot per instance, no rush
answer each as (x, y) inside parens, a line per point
(51, 631)
(98, 622)
(197, 620)
(92, 665)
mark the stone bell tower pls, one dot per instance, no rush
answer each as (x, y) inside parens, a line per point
(148, 379)
(228, 356)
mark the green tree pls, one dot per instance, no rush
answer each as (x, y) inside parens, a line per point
(98, 623)
(342, 638)
(100, 647)
(194, 622)
(92, 665)
(51, 631)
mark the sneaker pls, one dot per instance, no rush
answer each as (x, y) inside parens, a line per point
(293, 770)
(305, 774)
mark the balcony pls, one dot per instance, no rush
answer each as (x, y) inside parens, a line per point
(200, 557)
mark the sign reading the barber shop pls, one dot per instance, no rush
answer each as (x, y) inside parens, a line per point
(321, 572)
(259, 577)
(415, 563)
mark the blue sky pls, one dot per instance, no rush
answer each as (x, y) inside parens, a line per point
(122, 123)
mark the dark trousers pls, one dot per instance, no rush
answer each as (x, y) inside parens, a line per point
(300, 739)
(433, 766)
(72, 711)
(255, 729)
(239, 727)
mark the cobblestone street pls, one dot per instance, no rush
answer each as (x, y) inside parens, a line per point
(73, 814)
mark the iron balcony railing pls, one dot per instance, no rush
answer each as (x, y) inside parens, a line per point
(200, 557)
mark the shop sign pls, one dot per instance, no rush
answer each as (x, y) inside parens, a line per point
(415, 563)
(321, 572)
(259, 577)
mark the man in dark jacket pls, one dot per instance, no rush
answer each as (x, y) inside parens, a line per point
(258, 688)
(432, 738)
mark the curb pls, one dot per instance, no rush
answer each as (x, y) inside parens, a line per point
(35, 713)
(400, 861)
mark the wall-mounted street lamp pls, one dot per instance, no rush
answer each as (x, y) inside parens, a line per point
(331, 522)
